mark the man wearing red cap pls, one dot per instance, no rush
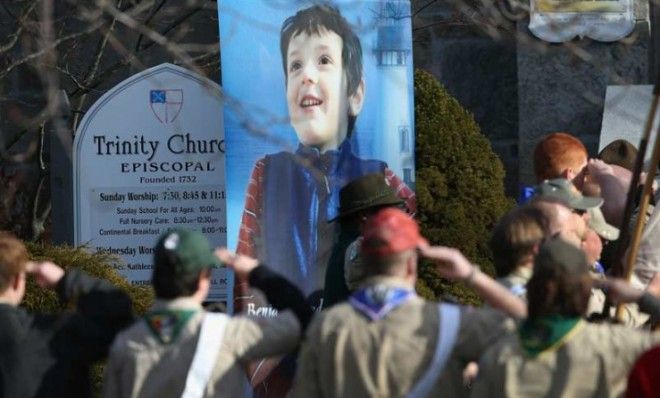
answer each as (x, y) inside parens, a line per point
(388, 342)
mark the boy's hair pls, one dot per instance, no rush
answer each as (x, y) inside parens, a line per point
(560, 283)
(515, 236)
(313, 21)
(552, 291)
(557, 152)
(181, 257)
(384, 265)
(168, 284)
(13, 258)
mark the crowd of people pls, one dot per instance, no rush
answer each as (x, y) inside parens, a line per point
(540, 333)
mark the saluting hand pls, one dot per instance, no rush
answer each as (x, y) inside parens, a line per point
(451, 263)
(241, 264)
(46, 273)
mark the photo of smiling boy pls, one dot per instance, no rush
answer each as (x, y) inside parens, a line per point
(292, 198)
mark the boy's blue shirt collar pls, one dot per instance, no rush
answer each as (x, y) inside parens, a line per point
(329, 161)
(313, 152)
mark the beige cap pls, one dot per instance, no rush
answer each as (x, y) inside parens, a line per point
(600, 226)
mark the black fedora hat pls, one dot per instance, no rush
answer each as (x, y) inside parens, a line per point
(368, 191)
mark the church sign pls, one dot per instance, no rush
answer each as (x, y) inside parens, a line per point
(149, 157)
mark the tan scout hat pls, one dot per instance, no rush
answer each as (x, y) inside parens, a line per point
(600, 226)
(619, 152)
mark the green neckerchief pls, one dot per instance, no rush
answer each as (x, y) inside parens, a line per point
(546, 332)
(166, 325)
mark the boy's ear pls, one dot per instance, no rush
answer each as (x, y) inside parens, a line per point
(356, 100)
(16, 281)
(412, 265)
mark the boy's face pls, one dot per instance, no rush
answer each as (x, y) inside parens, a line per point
(316, 91)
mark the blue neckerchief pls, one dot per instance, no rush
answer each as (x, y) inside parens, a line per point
(518, 290)
(598, 268)
(526, 193)
(377, 301)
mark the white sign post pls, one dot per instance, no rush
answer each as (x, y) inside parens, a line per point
(148, 157)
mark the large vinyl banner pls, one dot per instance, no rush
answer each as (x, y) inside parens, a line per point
(317, 94)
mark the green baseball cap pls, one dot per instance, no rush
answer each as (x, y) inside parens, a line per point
(184, 250)
(563, 190)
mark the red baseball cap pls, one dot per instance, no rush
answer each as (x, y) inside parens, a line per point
(390, 231)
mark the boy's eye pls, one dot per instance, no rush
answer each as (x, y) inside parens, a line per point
(294, 66)
(325, 60)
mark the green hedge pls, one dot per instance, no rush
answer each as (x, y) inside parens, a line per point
(96, 264)
(460, 184)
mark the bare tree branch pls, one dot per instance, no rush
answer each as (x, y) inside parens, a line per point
(422, 8)
(94, 68)
(13, 38)
(156, 37)
(147, 21)
(50, 46)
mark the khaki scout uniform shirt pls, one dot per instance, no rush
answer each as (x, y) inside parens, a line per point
(347, 355)
(631, 315)
(593, 361)
(140, 366)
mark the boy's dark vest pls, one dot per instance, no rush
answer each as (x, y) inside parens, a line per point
(301, 193)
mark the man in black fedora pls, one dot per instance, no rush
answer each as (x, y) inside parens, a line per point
(358, 200)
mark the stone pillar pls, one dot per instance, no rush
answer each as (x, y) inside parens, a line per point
(481, 74)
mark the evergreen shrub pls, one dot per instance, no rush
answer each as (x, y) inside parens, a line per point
(96, 264)
(459, 187)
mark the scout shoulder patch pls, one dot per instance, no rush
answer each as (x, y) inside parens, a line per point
(166, 325)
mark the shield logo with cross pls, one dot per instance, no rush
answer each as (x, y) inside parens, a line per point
(166, 104)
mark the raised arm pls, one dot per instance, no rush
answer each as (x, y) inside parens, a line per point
(281, 293)
(451, 264)
(102, 308)
(620, 291)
